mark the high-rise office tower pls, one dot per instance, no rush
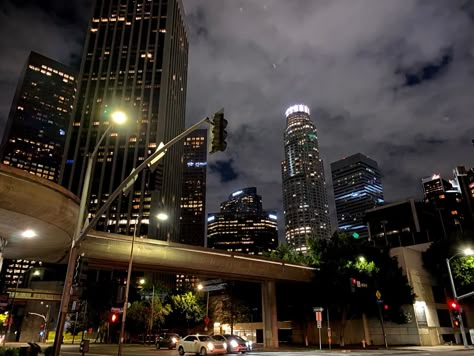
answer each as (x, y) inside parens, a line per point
(135, 59)
(242, 225)
(39, 117)
(357, 188)
(464, 180)
(304, 185)
(193, 196)
(445, 201)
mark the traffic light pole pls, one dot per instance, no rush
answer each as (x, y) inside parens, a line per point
(81, 231)
(461, 323)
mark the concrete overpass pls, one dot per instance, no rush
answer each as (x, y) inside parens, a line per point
(27, 201)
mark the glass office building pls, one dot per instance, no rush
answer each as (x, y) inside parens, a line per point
(357, 187)
(135, 59)
(39, 117)
(242, 225)
(304, 185)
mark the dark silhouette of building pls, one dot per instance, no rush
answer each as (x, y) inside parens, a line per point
(464, 181)
(193, 197)
(357, 187)
(305, 199)
(135, 59)
(39, 117)
(242, 225)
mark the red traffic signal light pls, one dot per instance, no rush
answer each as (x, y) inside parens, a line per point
(113, 318)
(456, 323)
(385, 306)
(453, 305)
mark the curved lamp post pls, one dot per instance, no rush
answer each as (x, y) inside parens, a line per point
(466, 252)
(119, 118)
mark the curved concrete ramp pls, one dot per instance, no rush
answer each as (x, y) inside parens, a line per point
(30, 202)
(106, 249)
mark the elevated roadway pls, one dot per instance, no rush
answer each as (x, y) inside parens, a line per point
(30, 202)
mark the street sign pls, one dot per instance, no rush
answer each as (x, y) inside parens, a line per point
(378, 295)
(319, 324)
(319, 316)
(318, 309)
(116, 310)
(380, 301)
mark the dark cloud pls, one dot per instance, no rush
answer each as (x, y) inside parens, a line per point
(224, 169)
(390, 79)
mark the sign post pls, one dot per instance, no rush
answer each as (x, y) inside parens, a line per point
(319, 321)
(379, 300)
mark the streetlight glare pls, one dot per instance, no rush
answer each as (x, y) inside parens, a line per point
(28, 234)
(142, 281)
(361, 258)
(119, 117)
(468, 251)
(162, 216)
(199, 286)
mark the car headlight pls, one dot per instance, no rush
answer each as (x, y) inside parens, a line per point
(234, 343)
(210, 346)
(174, 340)
(225, 345)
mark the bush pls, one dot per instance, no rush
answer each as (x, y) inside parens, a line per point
(9, 352)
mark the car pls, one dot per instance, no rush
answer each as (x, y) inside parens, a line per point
(235, 344)
(201, 345)
(168, 340)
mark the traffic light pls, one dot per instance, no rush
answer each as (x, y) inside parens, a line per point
(353, 284)
(217, 133)
(385, 307)
(455, 312)
(113, 317)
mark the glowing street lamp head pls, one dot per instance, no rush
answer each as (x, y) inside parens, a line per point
(142, 281)
(28, 234)
(200, 286)
(361, 258)
(119, 117)
(468, 251)
(162, 216)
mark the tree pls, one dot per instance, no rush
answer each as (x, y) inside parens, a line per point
(340, 260)
(187, 307)
(139, 314)
(462, 267)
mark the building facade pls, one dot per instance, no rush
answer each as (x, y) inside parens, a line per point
(445, 201)
(39, 117)
(135, 60)
(242, 225)
(193, 197)
(357, 187)
(304, 185)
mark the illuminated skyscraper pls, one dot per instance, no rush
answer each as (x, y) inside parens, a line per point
(193, 197)
(357, 188)
(39, 117)
(135, 59)
(304, 185)
(242, 225)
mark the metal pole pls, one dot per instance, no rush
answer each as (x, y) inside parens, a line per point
(381, 324)
(329, 329)
(81, 231)
(461, 323)
(319, 330)
(127, 288)
(152, 309)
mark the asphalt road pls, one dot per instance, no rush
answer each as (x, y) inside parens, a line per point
(141, 350)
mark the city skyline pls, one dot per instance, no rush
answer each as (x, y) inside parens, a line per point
(396, 90)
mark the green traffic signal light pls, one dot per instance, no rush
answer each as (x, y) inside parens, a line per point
(355, 235)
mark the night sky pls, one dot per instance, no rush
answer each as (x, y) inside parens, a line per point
(393, 80)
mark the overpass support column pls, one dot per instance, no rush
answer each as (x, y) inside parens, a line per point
(269, 311)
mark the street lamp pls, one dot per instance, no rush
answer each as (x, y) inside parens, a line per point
(466, 252)
(119, 118)
(161, 217)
